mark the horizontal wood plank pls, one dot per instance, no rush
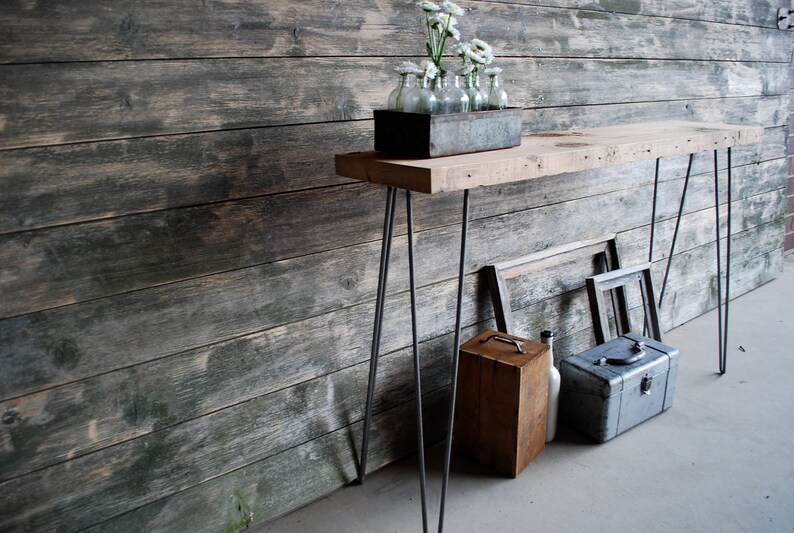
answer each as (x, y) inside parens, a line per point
(770, 111)
(545, 154)
(692, 301)
(568, 314)
(77, 183)
(581, 29)
(76, 102)
(71, 31)
(742, 12)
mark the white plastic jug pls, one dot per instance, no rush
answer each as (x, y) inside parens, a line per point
(547, 337)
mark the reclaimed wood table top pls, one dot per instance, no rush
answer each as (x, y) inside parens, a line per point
(545, 154)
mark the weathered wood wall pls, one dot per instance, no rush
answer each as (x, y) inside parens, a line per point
(187, 289)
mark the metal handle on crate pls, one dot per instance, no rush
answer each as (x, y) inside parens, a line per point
(639, 349)
(505, 339)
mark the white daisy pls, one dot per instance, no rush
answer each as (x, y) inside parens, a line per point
(408, 67)
(428, 7)
(430, 69)
(453, 9)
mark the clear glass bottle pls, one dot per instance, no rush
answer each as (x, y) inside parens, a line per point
(398, 94)
(497, 97)
(424, 100)
(471, 84)
(483, 88)
(412, 97)
(451, 98)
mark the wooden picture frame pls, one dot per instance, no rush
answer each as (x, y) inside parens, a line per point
(498, 274)
(617, 280)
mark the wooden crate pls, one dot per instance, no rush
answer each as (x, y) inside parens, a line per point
(500, 417)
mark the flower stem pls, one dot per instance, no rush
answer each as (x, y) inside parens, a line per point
(440, 51)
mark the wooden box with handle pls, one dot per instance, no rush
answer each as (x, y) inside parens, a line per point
(500, 417)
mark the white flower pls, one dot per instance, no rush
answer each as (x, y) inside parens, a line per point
(460, 50)
(442, 20)
(493, 71)
(481, 45)
(466, 70)
(475, 57)
(441, 26)
(408, 67)
(428, 7)
(453, 9)
(430, 69)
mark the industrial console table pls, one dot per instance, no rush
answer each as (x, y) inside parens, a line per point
(538, 155)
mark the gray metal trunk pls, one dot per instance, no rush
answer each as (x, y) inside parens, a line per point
(603, 393)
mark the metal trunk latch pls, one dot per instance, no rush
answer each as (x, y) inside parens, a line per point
(645, 385)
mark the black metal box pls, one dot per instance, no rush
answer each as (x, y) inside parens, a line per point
(420, 135)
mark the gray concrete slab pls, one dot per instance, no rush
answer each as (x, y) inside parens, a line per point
(722, 459)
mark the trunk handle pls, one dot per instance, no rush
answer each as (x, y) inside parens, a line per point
(504, 339)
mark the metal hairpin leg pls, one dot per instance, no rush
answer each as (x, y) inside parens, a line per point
(653, 220)
(653, 210)
(724, 357)
(722, 332)
(385, 252)
(677, 226)
(388, 230)
(723, 319)
(455, 358)
(417, 377)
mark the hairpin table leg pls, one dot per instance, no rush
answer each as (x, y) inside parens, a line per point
(417, 377)
(388, 230)
(723, 319)
(724, 357)
(653, 209)
(455, 357)
(677, 226)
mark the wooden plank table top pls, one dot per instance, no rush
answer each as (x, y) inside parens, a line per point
(545, 154)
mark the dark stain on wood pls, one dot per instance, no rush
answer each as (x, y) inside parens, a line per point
(10, 416)
(150, 452)
(570, 145)
(66, 354)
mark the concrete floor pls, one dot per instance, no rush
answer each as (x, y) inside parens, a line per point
(722, 459)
